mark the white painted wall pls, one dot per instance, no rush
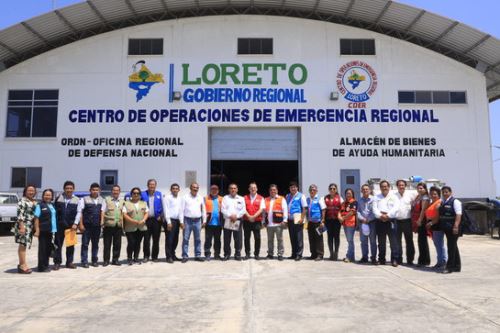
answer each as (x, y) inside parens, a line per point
(93, 73)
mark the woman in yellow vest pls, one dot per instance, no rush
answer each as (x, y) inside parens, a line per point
(135, 214)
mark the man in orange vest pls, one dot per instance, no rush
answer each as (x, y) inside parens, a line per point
(213, 230)
(252, 220)
(276, 211)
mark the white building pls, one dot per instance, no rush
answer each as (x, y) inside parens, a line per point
(315, 91)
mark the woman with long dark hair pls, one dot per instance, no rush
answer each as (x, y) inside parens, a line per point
(135, 214)
(333, 201)
(347, 216)
(23, 229)
(45, 228)
(418, 209)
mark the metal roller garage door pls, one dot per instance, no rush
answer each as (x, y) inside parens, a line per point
(272, 144)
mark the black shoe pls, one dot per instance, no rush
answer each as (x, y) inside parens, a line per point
(291, 257)
(298, 258)
(237, 258)
(176, 258)
(381, 262)
(270, 257)
(207, 258)
(57, 266)
(145, 260)
(410, 263)
(447, 271)
(184, 260)
(170, 260)
(246, 257)
(106, 263)
(375, 262)
(85, 265)
(44, 270)
(311, 258)
(225, 258)
(200, 259)
(318, 259)
(155, 260)
(115, 263)
(395, 263)
(95, 264)
(217, 257)
(363, 261)
(280, 258)
(71, 266)
(130, 262)
(137, 262)
(256, 257)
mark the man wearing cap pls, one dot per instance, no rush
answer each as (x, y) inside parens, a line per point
(213, 230)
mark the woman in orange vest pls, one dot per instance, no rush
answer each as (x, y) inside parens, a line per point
(432, 216)
(347, 216)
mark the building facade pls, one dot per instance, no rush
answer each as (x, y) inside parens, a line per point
(223, 98)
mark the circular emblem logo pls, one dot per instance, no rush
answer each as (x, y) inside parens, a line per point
(356, 81)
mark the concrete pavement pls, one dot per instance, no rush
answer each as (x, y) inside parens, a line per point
(254, 296)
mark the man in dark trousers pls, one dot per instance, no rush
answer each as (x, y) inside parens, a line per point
(91, 208)
(213, 230)
(154, 199)
(172, 211)
(252, 220)
(67, 218)
(113, 226)
(297, 210)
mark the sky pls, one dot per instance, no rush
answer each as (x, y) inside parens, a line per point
(482, 15)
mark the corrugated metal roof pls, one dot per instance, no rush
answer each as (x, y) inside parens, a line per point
(66, 25)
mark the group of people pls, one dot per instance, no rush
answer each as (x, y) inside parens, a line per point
(141, 216)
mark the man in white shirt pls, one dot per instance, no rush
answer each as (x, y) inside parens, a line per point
(385, 208)
(403, 219)
(192, 218)
(233, 209)
(172, 211)
(276, 211)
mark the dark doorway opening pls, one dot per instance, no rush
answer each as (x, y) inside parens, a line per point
(263, 173)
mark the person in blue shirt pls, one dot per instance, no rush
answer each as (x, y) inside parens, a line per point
(154, 199)
(297, 211)
(367, 232)
(45, 228)
(213, 230)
